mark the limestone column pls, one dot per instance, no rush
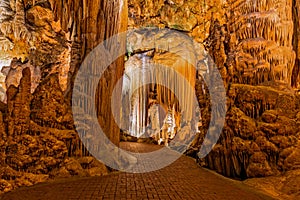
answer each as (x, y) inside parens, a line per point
(88, 23)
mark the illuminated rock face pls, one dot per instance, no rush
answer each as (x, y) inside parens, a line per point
(52, 37)
(13, 74)
(296, 43)
(256, 52)
(257, 119)
(36, 40)
(168, 58)
(86, 24)
(255, 45)
(250, 41)
(190, 16)
(47, 41)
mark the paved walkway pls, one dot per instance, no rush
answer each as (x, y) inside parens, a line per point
(181, 180)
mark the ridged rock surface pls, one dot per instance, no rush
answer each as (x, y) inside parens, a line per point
(255, 45)
(87, 23)
(46, 42)
(255, 53)
(296, 43)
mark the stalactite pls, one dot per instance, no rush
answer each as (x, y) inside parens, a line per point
(296, 43)
(169, 69)
(263, 32)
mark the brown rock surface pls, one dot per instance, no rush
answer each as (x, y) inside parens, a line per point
(47, 41)
(190, 16)
(255, 45)
(296, 43)
(260, 137)
(285, 186)
(255, 53)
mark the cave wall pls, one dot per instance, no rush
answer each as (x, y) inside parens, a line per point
(251, 42)
(259, 41)
(88, 23)
(255, 51)
(47, 41)
(254, 44)
(296, 43)
(68, 31)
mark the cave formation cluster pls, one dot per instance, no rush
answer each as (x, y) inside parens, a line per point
(255, 46)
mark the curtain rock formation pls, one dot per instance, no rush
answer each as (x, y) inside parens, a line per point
(254, 44)
(47, 41)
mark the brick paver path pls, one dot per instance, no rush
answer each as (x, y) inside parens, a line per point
(181, 180)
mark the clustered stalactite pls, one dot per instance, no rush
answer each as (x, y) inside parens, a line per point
(171, 74)
(87, 24)
(47, 41)
(256, 43)
(251, 43)
(255, 50)
(296, 43)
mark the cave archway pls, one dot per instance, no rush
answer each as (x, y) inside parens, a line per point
(155, 102)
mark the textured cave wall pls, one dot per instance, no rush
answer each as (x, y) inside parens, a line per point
(256, 53)
(296, 43)
(55, 37)
(190, 16)
(47, 41)
(255, 47)
(88, 23)
(52, 38)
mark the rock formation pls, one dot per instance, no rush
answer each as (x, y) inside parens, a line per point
(254, 45)
(296, 40)
(165, 67)
(47, 41)
(88, 23)
(255, 53)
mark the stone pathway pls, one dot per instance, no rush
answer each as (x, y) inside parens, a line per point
(181, 180)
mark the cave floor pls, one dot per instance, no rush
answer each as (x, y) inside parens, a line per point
(183, 179)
